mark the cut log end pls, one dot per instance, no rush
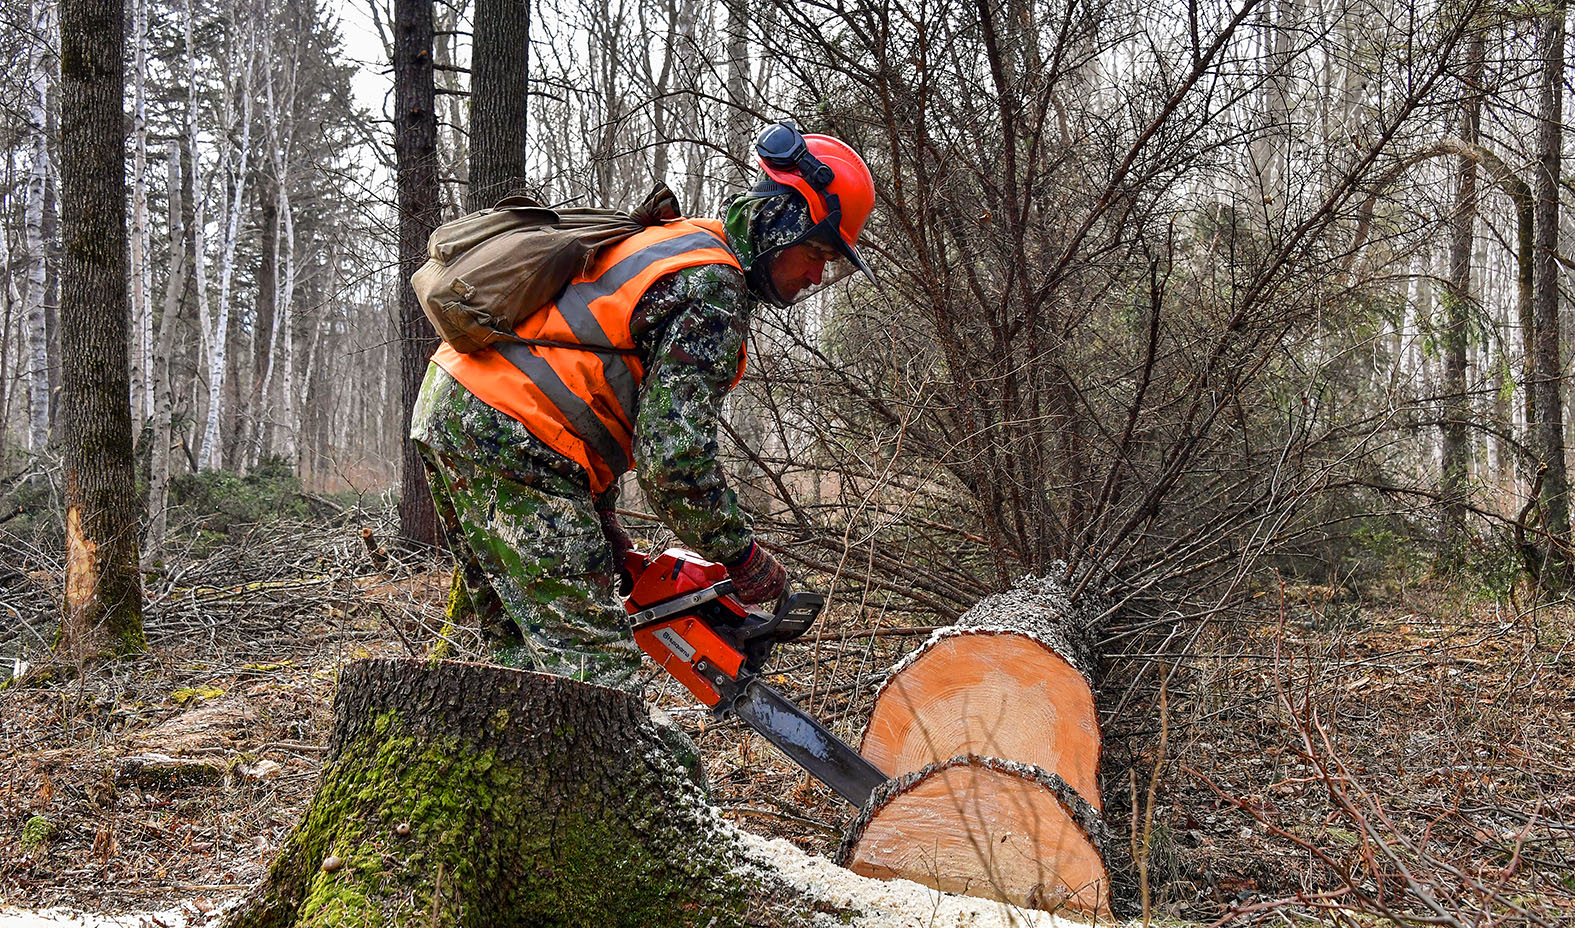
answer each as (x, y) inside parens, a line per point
(988, 693)
(985, 827)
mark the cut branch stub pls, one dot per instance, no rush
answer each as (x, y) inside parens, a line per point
(992, 692)
(985, 827)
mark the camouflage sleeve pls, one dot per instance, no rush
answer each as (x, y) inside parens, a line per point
(690, 326)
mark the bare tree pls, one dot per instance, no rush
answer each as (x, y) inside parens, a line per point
(1459, 303)
(236, 161)
(157, 511)
(37, 190)
(103, 588)
(1544, 340)
(499, 88)
(415, 146)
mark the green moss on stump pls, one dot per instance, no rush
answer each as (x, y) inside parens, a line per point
(514, 817)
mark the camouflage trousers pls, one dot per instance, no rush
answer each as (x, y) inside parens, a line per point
(532, 559)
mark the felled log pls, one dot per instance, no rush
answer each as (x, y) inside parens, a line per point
(455, 792)
(982, 826)
(1011, 679)
(991, 735)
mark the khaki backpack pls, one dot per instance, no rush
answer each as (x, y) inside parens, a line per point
(489, 271)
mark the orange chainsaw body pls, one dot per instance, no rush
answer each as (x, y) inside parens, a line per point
(678, 643)
(684, 614)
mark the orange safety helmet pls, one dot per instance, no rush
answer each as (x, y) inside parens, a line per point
(829, 175)
(833, 180)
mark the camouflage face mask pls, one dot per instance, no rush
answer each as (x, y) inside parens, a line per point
(758, 228)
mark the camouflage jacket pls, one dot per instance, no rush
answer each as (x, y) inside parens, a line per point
(689, 328)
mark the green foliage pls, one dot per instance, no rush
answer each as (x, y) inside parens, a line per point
(36, 833)
(220, 502)
(1488, 567)
(1358, 551)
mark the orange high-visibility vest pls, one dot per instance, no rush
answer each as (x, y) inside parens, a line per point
(581, 402)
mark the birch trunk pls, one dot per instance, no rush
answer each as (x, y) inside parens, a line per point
(13, 302)
(163, 404)
(199, 225)
(212, 447)
(287, 444)
(141, 271)
(33, 231)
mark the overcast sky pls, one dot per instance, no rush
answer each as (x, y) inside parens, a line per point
(363, 46)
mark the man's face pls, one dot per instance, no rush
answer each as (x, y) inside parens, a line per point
(795, 269)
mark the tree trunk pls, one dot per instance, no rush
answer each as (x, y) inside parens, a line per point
(212, 445)
(739, 120)
(1459, 305)
(163, 400)
(103, 591)
(38, 396)
(265, 331)
(499, 82)
(1547, 376)
(990, 734)
(141, 267)
(415, 148)
(467, 794)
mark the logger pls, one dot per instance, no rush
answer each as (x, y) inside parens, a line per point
(684, 615)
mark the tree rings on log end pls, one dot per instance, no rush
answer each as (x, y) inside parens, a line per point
(985, 827)
(992, 693)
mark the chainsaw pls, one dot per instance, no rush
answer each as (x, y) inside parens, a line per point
(683, 613)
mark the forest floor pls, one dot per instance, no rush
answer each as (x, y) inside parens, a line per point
(1438, 757)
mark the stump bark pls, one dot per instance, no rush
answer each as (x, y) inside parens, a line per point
(468, 794)
(991, 735)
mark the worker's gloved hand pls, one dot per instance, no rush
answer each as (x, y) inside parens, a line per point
(757, 576)
(621, 545)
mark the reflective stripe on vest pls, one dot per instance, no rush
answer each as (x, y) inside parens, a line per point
(580, 401)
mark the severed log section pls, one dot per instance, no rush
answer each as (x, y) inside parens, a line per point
(468, 794)
(985, 827)
(990, 732)
(1011, 679)
(991, 692)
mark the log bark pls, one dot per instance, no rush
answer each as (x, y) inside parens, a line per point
(991, 734)
(462, 793)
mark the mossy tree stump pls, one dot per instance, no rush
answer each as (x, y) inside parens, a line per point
(468, 794)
